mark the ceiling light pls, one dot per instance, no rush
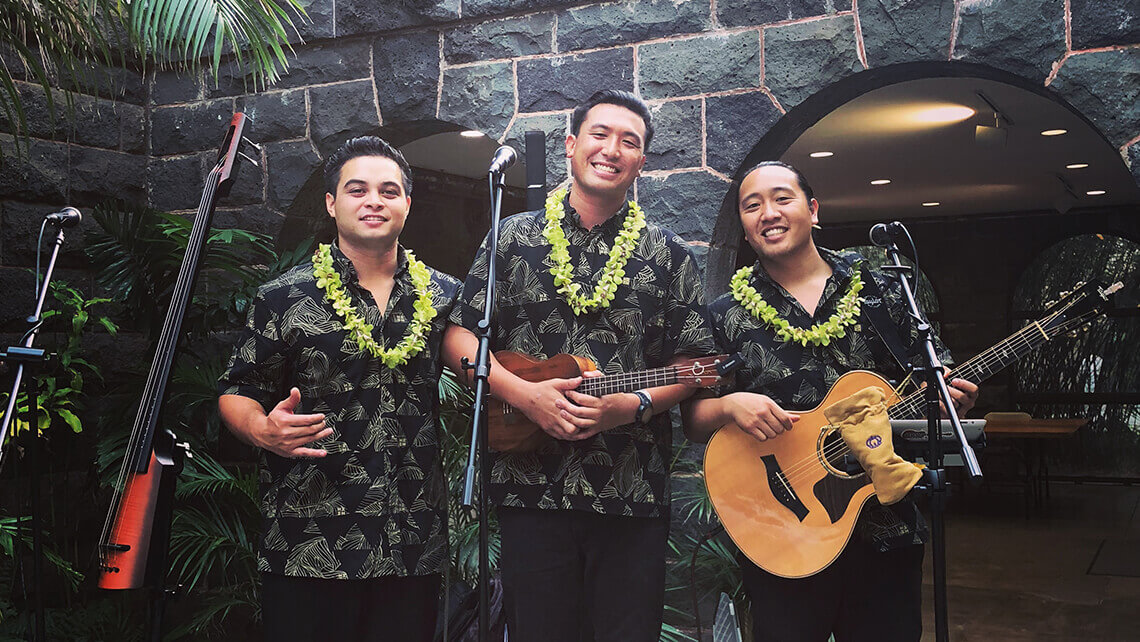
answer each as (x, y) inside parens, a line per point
(1076, 166)
(880, 181)
(931, 204)
(821, 154)
(1054, 132)
(943, 114)
(1095, 192)
(471, 133)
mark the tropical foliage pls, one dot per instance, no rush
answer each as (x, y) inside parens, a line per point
(65, 43)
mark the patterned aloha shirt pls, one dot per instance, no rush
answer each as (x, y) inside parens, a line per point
(798, 377)
(376, 504)
(657, 316)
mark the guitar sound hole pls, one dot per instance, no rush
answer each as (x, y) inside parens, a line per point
(835, 456)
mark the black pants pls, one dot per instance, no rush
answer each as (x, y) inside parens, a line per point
(864, 595)
(574, 576)
(304, 609)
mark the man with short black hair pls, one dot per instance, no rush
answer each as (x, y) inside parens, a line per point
(584, 520)
(336, 381)
(799, 326)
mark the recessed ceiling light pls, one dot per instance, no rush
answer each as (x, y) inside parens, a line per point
(471, 133)
(1095, 192)
(880, 181)
(943, 114)
(931, 204)
(1076, 166)
(821, 154)
(1054, 132)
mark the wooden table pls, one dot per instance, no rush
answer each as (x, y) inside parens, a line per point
(1029, 431)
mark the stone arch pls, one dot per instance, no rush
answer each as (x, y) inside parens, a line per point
(726, 237)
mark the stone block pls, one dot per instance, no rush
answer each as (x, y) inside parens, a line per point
(1105, 87)
(97, 123)
(896, 31)
(274, 116)
(1134, 162)
(176, 183)
(554, 126)
(319, 24)
(741, 13)
(734, 124)
(479, 97)
(485, 8)
(40, 119)
(132, 128)
(97, 175)
(603, 25)
(406, 73)
(317, 64)
(112, 82)
(1024, 37)
(170, 87)
(716, 62)
(38, 173)
(189, 128)
(247, 185)
(685, 202)
(511, 38)
(677, 140)
(253, 218)
(339, 112)
(1104, 23)
(20, 284)
(561, 82)
(802, 58)
(288, 165)
(368, 16)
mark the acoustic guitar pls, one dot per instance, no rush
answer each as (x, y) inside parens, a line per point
(789, 504)
(511, 431)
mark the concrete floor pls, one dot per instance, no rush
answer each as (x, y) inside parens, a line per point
(1017, 575)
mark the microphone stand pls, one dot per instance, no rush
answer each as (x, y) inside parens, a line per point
(934, 475)
(476, 456)
(27, 358)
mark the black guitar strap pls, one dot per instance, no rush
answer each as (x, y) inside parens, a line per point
(875, 309)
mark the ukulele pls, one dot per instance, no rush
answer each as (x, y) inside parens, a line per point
(511, 431)
(789, 503)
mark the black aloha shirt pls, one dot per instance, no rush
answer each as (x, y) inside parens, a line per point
(658, 315)
(376, 504)
(798, 377)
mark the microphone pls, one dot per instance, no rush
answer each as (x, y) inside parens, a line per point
(883, 234)
(504, 157)
(67, 217)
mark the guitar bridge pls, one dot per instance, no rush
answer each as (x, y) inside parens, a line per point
(782, 489)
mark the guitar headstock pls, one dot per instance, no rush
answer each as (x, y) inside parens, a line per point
(231, 150)
(1078, 306)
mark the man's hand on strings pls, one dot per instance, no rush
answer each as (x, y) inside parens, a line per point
(592, 415)
(758, 415)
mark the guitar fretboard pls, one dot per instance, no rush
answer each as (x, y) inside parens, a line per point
(628, 382)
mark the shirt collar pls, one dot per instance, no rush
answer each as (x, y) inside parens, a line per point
(611, 224)
(843, 264)
(344, 264)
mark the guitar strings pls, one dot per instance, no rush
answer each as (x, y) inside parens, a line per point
(808, 464)
(166, 345)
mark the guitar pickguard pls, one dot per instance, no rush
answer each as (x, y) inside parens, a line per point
(835, 493)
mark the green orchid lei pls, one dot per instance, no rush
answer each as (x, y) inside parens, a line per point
(613, 273)
(846, 313)
(412, 343)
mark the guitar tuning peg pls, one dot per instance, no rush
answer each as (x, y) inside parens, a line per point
(252, 144)
(250, 160)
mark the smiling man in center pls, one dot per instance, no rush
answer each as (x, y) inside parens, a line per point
(585, 519)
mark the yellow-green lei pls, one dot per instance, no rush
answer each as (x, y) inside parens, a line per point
(613, 273)
(412, 343)
(846, 313)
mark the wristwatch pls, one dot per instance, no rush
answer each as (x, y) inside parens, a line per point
(644, 407)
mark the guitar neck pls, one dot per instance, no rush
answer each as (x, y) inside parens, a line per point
(981, 367)
(628, 381)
